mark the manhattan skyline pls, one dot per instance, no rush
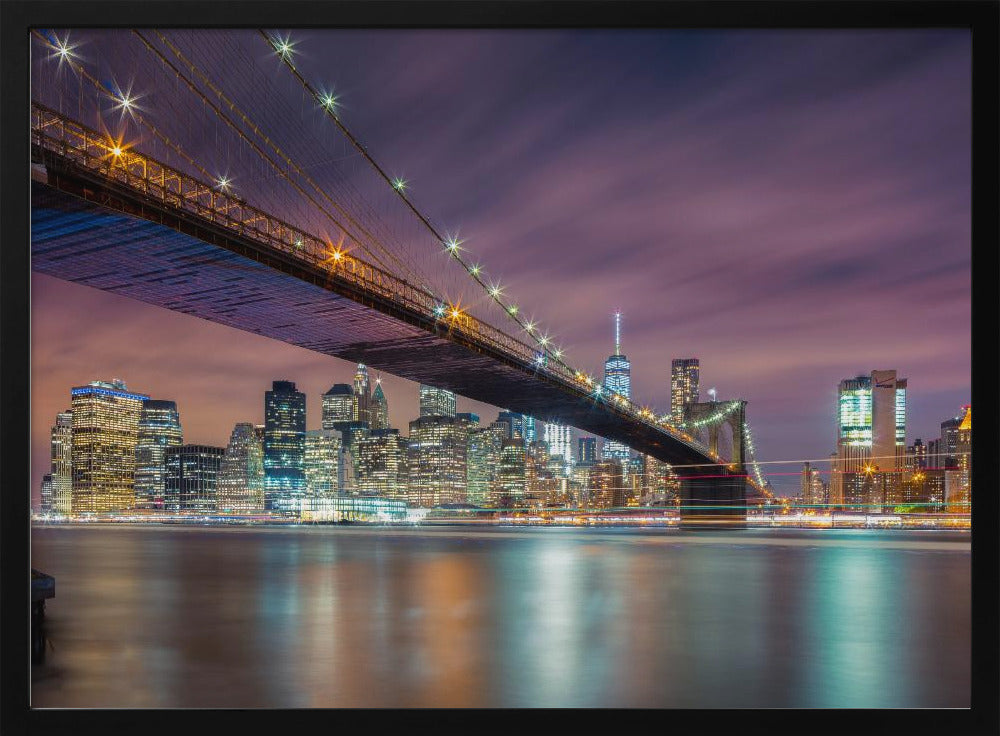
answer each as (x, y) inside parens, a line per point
(789, 224)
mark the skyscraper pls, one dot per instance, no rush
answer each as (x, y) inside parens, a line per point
(617, 379)
(191, 478)
(437, 457)
(381, 462)
(683, 386)
(379, 410)
(321, 461)
(436, 402)
(483, 456)
(105, 432)
(960, 498)
(338, 406)
(46, 499)
(509, 489)
(586, 451)
(159, 428)
(61, 468)
(284, 444)
(530, 432)
(240, 487)
(514, 423)
(362, 395)
(871, 441)
(949, 441)
(559, 438)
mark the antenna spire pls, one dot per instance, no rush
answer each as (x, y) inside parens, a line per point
(618, 333)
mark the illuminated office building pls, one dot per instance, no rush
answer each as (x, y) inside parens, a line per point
(321, 463)
(46, 500)
(159, 428)
(948, 446)
(240, 487)
(483, 458)
(192, 474)
(958, 482)
(683, 386)
(379, 409)
(61, 467)
(606, 485)
(338, 406)
(618, 380)
(284, 443)
(437, 460)
(361, 409)
(381, 463)
(509, 489)
(436, 402)
(559, 438)
(871, 441)
(586, 453)
(529, 429)
(105, 432)
(513, 422)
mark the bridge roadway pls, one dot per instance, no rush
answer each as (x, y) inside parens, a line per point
(95, 230)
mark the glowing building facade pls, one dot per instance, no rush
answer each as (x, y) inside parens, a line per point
(436, 402)
(159, 428)
(338, 406)
(362, 395)
(192, 475)
(61, 468)
(284, 443)
(105, 432)
(510, 487)
(559, 438)
(683, 386)
(617, 379)
(379, 409)
(483, 457)
(871, 441)
(321, 463)
(381, 464)
(241, 472)
(437, 457)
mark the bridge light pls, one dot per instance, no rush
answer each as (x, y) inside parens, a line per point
(475, 270)
(452, 243)
(544, 340)
(116, 151)
(495, 291)
(439, 310)
(63, 50)
(559, 353)
(283, 46)
(399, 184)
(530, 326)
(512, 309)
(328, 101)
(337, 255)
(224, 184)
(455, 313)
(298, 242)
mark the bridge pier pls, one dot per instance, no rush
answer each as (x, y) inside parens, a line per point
(714, 503)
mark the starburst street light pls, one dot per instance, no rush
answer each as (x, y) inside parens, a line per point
(495, 291)
(475, 269)
(399, 184)
(453, 244)
(328, 101)
(224, 185)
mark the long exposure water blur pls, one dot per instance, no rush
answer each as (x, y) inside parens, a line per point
(502, 617)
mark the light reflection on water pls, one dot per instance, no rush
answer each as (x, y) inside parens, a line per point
(349, 617)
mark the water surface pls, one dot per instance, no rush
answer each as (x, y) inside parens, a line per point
(503, 617)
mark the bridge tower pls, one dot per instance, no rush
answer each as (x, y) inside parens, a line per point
(717, 498)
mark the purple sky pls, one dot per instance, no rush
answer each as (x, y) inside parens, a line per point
(792, 208)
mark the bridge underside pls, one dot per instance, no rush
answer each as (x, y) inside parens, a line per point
(80, 241)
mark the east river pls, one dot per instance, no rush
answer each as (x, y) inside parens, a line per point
(303, 617)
